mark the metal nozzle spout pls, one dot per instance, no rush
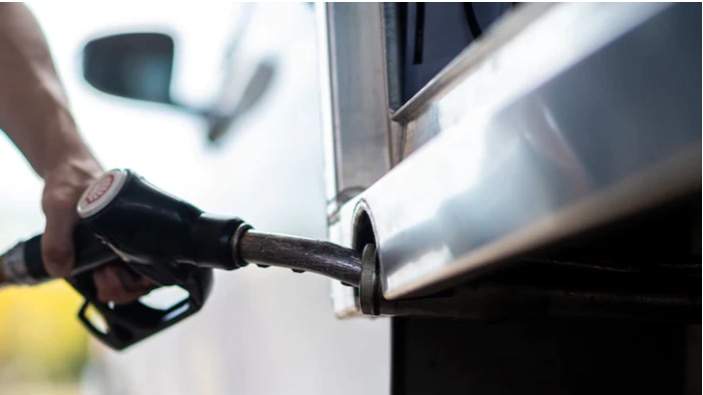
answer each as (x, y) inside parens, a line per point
(327, 259)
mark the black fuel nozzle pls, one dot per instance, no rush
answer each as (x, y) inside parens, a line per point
(158, 236)
(146, 225)
(126, 219)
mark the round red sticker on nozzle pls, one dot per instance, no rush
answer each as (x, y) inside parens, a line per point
(99, 188)
(98, 195)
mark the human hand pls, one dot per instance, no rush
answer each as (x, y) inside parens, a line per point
(35, 114)
(63, 186)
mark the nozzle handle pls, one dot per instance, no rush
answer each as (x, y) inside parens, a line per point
(147, 225)
(90, 253)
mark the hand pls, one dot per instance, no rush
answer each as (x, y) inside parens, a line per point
(63, 186)
(35, 114)
(116, 283)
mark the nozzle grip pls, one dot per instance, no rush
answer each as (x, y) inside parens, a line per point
(147, 225)
(89, 251)
(127, 324)
(160, 237)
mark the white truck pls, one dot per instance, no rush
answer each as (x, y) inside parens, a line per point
(523, 181)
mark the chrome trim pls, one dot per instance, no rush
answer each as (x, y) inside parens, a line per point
(505, 29)
(565, 126)
(354, 99)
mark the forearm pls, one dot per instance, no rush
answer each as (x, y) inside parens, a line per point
(34, 109)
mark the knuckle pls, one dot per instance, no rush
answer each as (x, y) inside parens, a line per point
(123, 298)
(105, 296)
(108, 285)
(111, 287)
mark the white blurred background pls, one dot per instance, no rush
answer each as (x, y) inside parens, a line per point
(262, 331)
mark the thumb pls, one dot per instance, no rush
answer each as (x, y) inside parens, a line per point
(57, 241)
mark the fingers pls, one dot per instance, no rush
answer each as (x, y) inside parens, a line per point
(63, 185)
(116, 283)
(57, 241)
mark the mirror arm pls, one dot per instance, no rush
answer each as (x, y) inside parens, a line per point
(209, 115)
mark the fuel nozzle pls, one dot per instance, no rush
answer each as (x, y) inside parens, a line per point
(125, 219)
(144, 224)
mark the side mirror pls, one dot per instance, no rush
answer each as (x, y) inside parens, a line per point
(132, 65)
(140, 66)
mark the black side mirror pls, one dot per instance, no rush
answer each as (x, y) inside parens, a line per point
(140, 66)
(132, 65)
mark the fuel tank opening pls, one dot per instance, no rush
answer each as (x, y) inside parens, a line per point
(364, 241)
(363, 232)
